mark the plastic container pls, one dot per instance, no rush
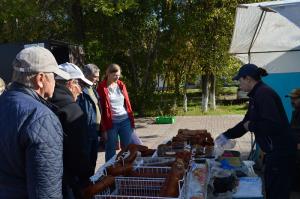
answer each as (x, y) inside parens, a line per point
(165, 120)
(219, 150)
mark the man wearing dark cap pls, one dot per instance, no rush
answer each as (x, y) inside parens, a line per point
(267, 119)
(31, 136)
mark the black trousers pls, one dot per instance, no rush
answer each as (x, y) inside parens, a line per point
(278, 172)
(93, 146)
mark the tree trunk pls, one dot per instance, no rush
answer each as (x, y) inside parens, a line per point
(185, 98)
(212, 91)
(177, 84)
(187, 75)
(204, 81)
(161, 101)
(77, 16)
(185, 102)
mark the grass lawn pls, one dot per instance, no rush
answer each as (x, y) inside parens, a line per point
(221, 110)
(227, 103)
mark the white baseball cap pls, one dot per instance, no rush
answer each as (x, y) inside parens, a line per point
(37, 59)
(74, 72)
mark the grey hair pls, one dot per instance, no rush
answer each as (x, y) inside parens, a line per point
(90, 69)
(23, 78)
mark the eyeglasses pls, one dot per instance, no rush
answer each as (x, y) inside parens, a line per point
(80, 83)
(76, 81)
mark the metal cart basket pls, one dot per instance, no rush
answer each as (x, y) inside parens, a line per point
(136, 187)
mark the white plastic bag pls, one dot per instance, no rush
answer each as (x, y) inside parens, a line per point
(222, 143)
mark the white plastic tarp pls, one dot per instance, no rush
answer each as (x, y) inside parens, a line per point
(268, 35)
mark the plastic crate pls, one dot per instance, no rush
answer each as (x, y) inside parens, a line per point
(165, 120)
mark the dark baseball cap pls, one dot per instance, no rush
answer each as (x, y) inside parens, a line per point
(246, 70)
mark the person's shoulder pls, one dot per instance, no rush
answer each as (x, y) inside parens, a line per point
(71, 111)
(101, 86)
(73, 106)
(40, 110)
(27, 103)
(264, 88)
(266, 92)
(121, 84)
(84, 95)
(37, 113)
(103, 83)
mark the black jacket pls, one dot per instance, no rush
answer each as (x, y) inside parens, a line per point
(268, 121)
(76, 158)
(295, 124)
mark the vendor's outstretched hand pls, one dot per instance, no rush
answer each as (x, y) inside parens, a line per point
(246, 125)
(221, 140)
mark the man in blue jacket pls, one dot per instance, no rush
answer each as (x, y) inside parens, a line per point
(90, 104)
(31, 136)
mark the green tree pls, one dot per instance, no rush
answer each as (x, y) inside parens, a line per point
(178, 40)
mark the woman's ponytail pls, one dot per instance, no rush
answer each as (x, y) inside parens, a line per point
(262, 72)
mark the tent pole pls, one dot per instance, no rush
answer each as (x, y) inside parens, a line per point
(257, 30)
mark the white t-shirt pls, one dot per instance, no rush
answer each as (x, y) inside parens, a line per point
(116, 98)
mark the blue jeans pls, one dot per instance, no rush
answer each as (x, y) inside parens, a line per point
(124, 130)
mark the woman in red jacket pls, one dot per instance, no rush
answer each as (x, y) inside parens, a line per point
(117, 115)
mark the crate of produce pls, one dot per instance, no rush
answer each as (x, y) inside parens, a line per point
(165, 120)
(138, 188)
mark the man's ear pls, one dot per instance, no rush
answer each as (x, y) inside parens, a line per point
(39, 80)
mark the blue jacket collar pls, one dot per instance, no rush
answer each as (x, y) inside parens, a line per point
(15, 86)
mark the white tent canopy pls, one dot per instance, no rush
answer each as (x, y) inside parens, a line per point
(268, 35)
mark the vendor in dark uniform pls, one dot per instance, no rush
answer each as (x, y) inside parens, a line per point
(295, 126)
(267, 119)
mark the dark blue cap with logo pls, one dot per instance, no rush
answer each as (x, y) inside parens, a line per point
(246, 70)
